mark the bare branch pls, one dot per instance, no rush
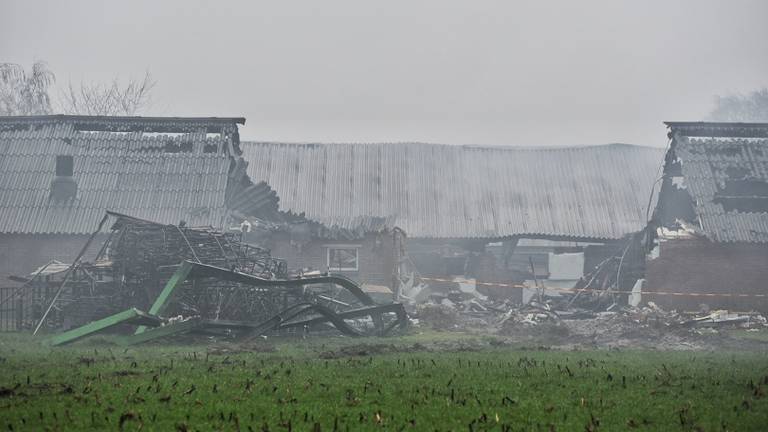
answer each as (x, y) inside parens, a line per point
(25, 93)
(109, 99)
(752, 107)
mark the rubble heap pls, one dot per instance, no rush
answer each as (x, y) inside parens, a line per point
(197, 279)
(593, 318)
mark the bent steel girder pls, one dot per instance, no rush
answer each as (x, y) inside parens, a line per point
(191, 271)
(374, 311)
(204, 270)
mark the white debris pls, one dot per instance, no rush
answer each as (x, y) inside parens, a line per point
(635, 298)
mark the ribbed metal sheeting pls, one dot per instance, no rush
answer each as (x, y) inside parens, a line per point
(707, 163)
(443, 191)
(124, 172)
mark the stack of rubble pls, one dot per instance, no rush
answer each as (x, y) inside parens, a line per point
(601, 317)
(203, 280)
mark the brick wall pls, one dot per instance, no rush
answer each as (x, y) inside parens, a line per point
(698, 265)
(375, 256)
(21, 254)
(490, 270)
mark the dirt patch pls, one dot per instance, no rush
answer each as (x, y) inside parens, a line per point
(547, 332)
(6, 392)
(439, 317)
(365, 350)
(620, 331)
(254, 346)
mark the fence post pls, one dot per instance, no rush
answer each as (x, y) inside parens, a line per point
(19, 314)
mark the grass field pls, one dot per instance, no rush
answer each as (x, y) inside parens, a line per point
(419, 382)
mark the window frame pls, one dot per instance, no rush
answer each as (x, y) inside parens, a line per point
(331, 267)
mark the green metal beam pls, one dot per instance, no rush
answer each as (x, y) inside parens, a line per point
(130, 315)
(166, 294)
(158, 332)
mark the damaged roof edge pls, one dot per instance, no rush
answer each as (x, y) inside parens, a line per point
(724, 169)
(125, 123)
(718, 129)
(137, 119)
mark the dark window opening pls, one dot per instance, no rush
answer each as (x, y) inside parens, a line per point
(65, 166)
(729, 151)
(737, 172)
(745, 188)
(749, 196)
(181, 147)
(744, 205)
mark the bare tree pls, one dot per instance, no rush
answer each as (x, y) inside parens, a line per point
(752, 107)
(25, 92)
(108, 99)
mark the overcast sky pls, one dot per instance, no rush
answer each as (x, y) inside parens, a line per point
(469, 72)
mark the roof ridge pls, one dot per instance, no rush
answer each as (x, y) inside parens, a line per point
(461, 146)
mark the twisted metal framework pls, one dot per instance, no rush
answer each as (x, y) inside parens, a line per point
(213, 277)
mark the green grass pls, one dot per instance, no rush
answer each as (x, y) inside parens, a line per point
(419, 382)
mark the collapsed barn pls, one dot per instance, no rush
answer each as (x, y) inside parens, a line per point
(710, 227)
(473, 228)
(59, 174)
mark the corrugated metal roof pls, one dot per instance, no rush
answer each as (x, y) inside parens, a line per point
(712, 168)
(442, 191)
(127, 172)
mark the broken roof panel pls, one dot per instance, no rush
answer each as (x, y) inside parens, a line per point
(444, 191)
(725, 171)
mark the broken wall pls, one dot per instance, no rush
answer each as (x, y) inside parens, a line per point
(490, 270)
(699, 266)
(375, 255)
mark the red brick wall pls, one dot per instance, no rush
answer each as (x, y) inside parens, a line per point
(489, 270)
(375, 259)
(21, 254)
(698, 265)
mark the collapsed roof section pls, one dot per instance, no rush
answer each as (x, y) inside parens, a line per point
(445, 191)
(716, 181)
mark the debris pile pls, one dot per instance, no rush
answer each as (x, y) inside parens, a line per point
(578, 319)
(140, 247)
(197, 280)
